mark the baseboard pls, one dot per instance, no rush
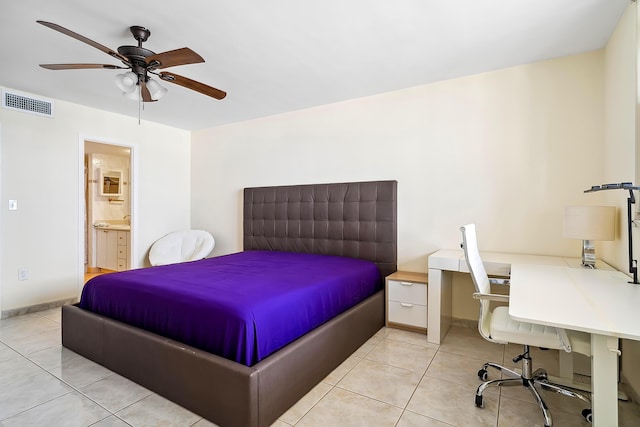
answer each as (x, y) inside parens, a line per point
(35, 308)
(465, 323)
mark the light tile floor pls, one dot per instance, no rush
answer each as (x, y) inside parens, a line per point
(395, 379)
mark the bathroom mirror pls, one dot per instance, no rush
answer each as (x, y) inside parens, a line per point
(110, 182)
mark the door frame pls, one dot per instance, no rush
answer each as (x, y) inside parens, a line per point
(133, 186)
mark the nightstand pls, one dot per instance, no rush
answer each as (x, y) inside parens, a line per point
(406, 301)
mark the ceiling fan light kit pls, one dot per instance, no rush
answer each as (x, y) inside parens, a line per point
(127, 81)
(155, 89)
(136, 84)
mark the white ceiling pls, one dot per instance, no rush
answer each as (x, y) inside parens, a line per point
(283, 55)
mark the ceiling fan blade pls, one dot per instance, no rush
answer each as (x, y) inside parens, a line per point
(83, 39)
(173, 58)
(80, 66)
(144, 90)
(193, 85)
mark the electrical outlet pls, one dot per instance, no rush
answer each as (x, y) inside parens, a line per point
(23, 274)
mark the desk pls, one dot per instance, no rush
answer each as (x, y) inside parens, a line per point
(600, 302)
(444, 262)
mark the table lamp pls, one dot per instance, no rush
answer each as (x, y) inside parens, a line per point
(589, 223)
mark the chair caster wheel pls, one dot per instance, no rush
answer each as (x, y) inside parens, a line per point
(479, 401)
(587, 414)
(482, 374)
(540, 375)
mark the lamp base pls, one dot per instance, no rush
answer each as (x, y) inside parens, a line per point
(588, 254)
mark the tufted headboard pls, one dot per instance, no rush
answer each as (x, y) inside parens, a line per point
(354, 219)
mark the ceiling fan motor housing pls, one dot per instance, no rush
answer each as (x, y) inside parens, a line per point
(136, 57)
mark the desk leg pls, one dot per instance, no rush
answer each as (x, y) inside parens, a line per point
(438, 305)
(604, 367)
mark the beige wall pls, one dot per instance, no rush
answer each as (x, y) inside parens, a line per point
(506, 150)
(620, 160)
(619, 132)
(41, 168)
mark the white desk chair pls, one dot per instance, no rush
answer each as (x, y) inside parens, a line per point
(181, 246)
(497, 326)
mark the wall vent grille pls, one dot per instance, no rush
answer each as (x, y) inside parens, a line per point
(14, 100)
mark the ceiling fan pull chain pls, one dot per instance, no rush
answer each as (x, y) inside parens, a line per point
(139, 102)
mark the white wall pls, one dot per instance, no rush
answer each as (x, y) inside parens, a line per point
(506, 150)
(40, 167)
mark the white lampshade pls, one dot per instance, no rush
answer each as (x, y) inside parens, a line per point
(127, 81)
(155, 90)
(589, 222)
(133, 94)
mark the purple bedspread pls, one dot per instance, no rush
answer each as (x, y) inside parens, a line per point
(242, 306)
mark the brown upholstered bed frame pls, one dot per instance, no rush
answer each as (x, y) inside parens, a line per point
(348, 219)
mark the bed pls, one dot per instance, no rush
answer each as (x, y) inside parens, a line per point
(352, 220)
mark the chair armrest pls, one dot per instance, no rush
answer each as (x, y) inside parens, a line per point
(499, 281)
(491, 297)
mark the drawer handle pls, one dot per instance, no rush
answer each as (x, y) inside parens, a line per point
(404, 304)
(406, 283)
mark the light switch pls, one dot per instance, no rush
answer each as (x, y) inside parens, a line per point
(13, 205)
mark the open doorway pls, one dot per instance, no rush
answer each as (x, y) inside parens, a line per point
(107, 208)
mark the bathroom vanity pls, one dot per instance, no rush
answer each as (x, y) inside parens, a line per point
(113, 250)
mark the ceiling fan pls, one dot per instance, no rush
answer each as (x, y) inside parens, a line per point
(137, 83)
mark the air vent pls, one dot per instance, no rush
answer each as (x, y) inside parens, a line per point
(14, 100)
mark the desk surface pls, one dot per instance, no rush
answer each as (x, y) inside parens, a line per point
(595, 301)
(499, 264)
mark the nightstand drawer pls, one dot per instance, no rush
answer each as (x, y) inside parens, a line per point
(408, 314)
(409, 292)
